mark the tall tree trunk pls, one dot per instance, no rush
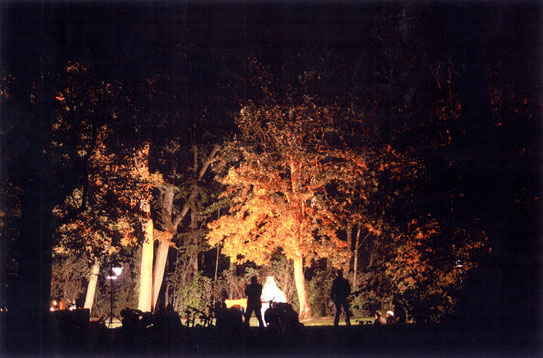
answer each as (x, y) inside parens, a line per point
(355, 264)
(299, 279)
(164, 236)
(216, 264)
(232, 269)
(350, 245)
(167, 295)
(146, 269)
(218, 253)
(160, 261)
(195, 251)
(91, 287)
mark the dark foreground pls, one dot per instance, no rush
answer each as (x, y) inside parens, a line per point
(409, 340)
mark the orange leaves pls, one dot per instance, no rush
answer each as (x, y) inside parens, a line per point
(271, 210)
(427, 229)
(427, 258)
(290, 186)
(111, 219)
(371, 228)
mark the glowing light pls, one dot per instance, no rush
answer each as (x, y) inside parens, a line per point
(242, 302)
(117, 270)
(115, 273)
(270, 291)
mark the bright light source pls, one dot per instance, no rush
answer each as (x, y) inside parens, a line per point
(114, 273)
(271, 291)
(117, 270)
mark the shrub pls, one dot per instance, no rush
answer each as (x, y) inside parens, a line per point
(318, 290)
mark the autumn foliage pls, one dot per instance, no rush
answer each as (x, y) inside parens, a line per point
(102, 215)
(283, 174)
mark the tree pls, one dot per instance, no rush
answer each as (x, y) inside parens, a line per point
(170, 220)
(279, 175)
(189, 121)
(101, 217)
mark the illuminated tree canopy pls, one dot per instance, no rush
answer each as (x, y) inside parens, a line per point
(284, 173)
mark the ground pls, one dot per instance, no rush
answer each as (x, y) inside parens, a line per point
(309, 340)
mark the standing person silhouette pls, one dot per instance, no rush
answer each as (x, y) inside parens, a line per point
(399, 312)
(253, 291)
(341, 289)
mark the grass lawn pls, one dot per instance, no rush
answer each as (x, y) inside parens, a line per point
(322, 321)
(311, 322)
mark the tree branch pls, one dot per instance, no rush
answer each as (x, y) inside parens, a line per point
(188, 203)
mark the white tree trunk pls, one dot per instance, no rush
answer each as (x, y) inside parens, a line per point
(299, 279)
(91, 287)
(146, 269)
(356, 248)
(160, 264)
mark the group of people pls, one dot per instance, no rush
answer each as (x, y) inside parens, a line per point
(61, 304)
(397, 316)
(341, 289)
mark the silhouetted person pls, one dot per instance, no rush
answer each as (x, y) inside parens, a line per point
(400, 316)
(161, 316)
(341, 289)
(253, 291)
(390, 317)
(379, 319)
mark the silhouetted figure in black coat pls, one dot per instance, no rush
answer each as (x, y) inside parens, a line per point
(341, 289)
(400, 316)
(253, 291)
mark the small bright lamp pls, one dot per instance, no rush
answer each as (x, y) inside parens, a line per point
(117, 270)
(114, 273)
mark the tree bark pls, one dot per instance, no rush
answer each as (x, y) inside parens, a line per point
(160, 261)
(194, 252)
(91, 287)
(216, 265)
(164, 236)
(146, 270)
(305, 308)
(355, 264)
(350, 245)
(232, 269)
(299, 279)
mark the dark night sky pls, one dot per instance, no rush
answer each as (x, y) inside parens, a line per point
(145, 34)
(134, 38)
